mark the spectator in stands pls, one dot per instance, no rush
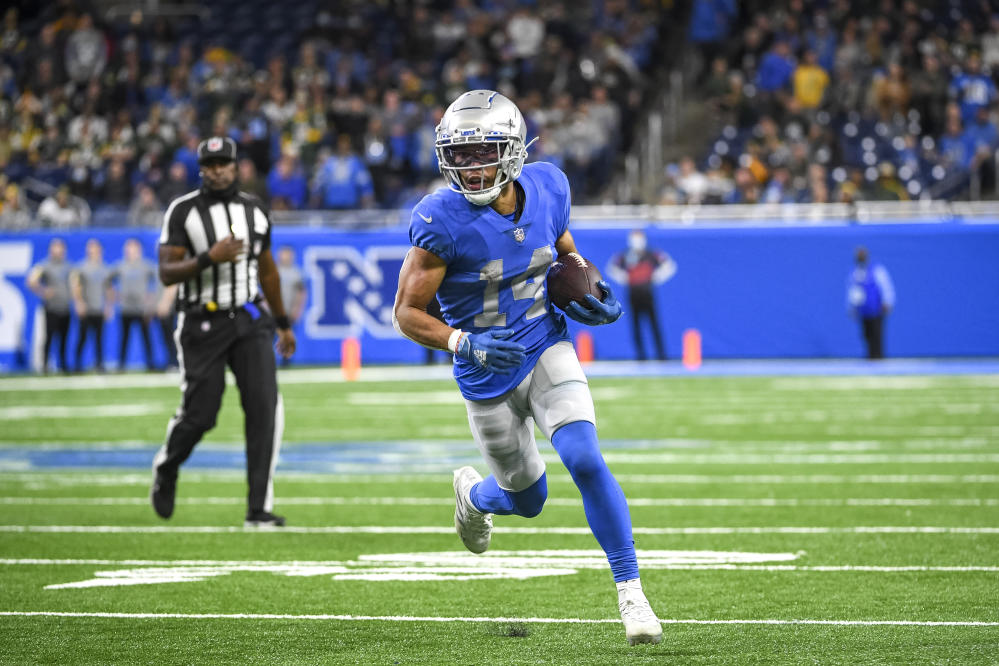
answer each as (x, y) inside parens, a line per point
(692, 183)
(710, 22)
(982, 140)
(176, 183)
(776, 69)
(810, 82)
(343, 181)
(249, 181)
(86, 51)
(930, 93)
(63, 211)
(888, 187)
(286, 186)
(955, 152)
(870, 297)
(145, 209)
(14, 212)
(852, 189)
(779, 189)
(972, 89)
(891, 92)
(818, 187)
(117, 186)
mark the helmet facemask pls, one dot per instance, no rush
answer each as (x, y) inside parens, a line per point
(472, 157)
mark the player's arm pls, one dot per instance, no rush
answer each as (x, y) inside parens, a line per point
(421, 274)
(270, 282)
(594, 312)
(565, 244)
(76, 289)
(34, 282)
(175, 267)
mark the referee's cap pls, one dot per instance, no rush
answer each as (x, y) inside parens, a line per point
(217, 149)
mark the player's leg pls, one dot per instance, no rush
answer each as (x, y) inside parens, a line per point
(50, 325)
(126, 328)
(636, 326)
(62, 328)
(504, 433)
(251, 358)
(81, 340)
(658, 337)
(563, 408)
(201, 353)
(99, 344)
(147, 343)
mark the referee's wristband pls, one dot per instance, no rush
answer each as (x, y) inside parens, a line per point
(282, 322)
(204, 260)
(454, 340)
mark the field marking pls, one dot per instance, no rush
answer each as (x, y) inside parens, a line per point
(701, 502)
(423, 566)
(267, 564)
(41, 479)
(792, 459)
(528, 620)
(435, 529)
(22, 412)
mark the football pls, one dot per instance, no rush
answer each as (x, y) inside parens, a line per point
(570, 278)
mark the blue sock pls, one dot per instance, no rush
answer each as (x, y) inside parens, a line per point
(603, 500)
(488, 497)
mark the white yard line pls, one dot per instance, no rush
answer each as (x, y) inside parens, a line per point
(804, 459)
(435, 529)
(24, 412)
(701, 502)
(264, 564)
(530, 620)
(40, 479)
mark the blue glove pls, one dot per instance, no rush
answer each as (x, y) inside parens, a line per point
(602, 312)
(492, 351)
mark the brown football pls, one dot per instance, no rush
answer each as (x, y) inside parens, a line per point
(570, 278)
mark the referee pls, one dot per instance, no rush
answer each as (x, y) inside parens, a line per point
(215, 245)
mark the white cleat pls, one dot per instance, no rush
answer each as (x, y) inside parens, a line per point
(473, 526)
(640, 622)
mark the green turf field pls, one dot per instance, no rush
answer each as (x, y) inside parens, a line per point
(778, 520)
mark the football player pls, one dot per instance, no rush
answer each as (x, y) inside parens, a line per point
(483, 246)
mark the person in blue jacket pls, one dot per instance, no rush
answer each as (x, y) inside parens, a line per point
(870, 297)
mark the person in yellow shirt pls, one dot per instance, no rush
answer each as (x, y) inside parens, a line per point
(810, 82)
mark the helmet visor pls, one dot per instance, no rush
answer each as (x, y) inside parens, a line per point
(472, 154)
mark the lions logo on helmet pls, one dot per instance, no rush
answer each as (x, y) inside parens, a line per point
(481, 129)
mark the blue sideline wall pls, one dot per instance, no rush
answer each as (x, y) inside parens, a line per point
(751, 292)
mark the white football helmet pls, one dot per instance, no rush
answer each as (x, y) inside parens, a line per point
(481, 129)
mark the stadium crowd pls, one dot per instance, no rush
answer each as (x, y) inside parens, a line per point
(843, 101)
(101, 118)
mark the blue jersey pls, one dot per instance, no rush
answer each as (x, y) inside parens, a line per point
(496, 269)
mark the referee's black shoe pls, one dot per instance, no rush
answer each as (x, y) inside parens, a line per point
(162, 494)
(263, 519)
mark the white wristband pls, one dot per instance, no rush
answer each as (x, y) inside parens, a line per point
(452, 341)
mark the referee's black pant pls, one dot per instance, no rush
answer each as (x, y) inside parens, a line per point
(207, 343)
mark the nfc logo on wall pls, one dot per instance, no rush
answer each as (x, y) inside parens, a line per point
(352, 293)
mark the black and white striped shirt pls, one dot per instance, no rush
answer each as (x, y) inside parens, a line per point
(196, 221)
